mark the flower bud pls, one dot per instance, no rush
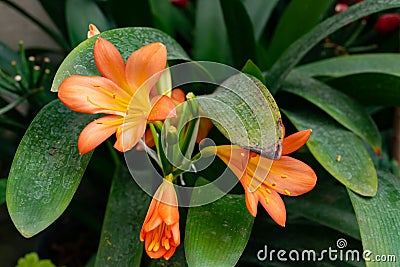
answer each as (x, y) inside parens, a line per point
(180, 3)
(340, 8)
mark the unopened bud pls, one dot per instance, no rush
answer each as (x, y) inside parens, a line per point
(46, 60)
(172, 135)
(31, 58)
(17, 78)
(340, 8)
(13, 63)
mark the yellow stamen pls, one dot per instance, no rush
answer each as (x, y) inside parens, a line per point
(287, 192)
(268, 190)
(121, 109)
(267, 200)
(166, 245)
(273, 184)
(284, 176)
(157, 246)
(151, 246)
(339, 158)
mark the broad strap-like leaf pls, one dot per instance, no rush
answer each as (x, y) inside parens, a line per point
(289, 29)
(378, 218)
(304, 44)
(79, 14)
(324, 203)
(240, 32)
(388, 63)
(342, 108)
(259, 12)
(126, 209)
(246, 113)
(211, 38)
(47, 168)
(370, 88)
(339, 151)
(217, 233)
(81, 62)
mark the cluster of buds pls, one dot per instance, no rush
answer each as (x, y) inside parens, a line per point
(26, 79)
(385, 23)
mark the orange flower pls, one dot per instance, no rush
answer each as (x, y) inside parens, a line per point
(122, 92)
(264, 179)
(160, 230)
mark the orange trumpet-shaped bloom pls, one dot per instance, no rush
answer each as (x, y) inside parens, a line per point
(160, 230)
(122, 92)
(264, 179)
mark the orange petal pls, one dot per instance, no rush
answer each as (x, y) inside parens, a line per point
(292, 175)
(295, 141)
(93, 94)
(95, 133)
(129, 135)
(169, 253)
(109, 62)
(176, 236)
(145, 62)
(154, 254)
(162, 108)
(251, 202)
(274, 205)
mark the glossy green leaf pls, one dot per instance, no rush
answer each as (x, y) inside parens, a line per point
(47, 168)
(79, 14)
(342, 108)
(240, 32)
(217, 233)
(299, 48)
(339, 151)
(126, 209)
(259, 12)
(370, 88)
(211, 38)
(324, 203)
(252, 69)
(245, 112)
(293, 24)
(3, 183)
(387, 63)
(378, 218)
(127, 40)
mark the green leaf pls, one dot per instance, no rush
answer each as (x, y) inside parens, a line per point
(342, 108)
(252, 69)
(378, 218)
(354, 64)
(216, 234)
(245, 112)
(293, 24)
(370, 88)
(79, 14)
(56, 11)
(211, 38)
(259, 12)
(126, 40)
(339, 151)
(327, 204)
(126, 209)
(32, 260)
(3, 183)
(240, 32)
(47, 169)
(299, 48)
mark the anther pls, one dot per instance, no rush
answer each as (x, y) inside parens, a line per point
(283, 176)
(273, 184)
(287, 192)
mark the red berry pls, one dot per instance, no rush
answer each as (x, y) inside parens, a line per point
(180, 3)
(387, 22)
